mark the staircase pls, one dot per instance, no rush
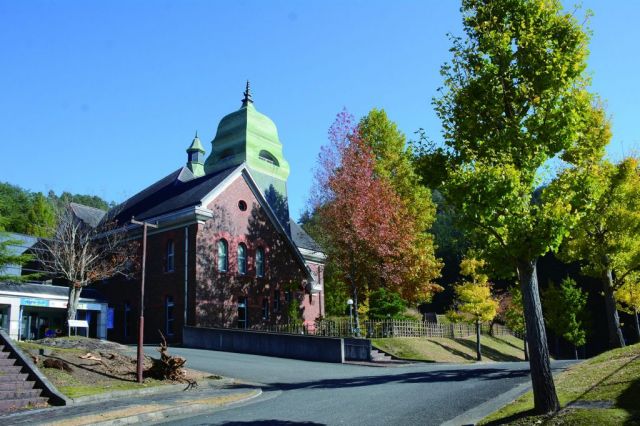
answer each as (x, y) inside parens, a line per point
(16, 391)
(379, 356)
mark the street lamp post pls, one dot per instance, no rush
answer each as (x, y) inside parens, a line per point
(140, 359)
(350, 303)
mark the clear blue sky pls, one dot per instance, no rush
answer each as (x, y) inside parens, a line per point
(104, 97)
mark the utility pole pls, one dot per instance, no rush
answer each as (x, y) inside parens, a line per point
(145, 225)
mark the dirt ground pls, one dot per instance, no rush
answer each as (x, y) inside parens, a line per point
(89, 366)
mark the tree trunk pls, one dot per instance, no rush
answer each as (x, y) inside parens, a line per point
(635, 316)
(355, 310)
(72, 302)
(616, 339)
(526, 348)
(478, 347)
(544, 390)
(575, 351)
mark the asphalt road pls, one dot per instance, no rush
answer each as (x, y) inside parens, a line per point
(312, 393)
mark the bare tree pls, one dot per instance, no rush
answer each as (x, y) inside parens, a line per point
(83, 251)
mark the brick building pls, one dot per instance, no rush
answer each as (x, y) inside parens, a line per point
(225, 252)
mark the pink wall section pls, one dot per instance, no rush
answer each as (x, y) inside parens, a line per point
(217, 293)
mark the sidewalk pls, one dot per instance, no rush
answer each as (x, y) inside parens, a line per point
(122, 408)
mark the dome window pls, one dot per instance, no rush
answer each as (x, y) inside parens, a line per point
(268, 157)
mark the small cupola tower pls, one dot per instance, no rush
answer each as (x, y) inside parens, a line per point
(195, 157)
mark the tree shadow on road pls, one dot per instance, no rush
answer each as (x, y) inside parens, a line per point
(487, 351)
(416, 377)
(270, 422)
(454, 351)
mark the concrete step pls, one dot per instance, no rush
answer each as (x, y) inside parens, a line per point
(19, 393)
(376, 355)
(12, 377)
(16, 385)
(9, 369)
(6, 361)
(4, 354)
(17, 403)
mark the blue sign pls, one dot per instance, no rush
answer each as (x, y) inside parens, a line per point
(34, 302)
(110, 319)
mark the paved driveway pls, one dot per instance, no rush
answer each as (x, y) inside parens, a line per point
(311, 393)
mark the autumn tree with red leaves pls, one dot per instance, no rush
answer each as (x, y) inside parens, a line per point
(369, 233)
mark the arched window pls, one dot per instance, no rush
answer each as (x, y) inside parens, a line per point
(242, 259)
(268, 157)
(260, 262)
(223, 256)
(170, 265)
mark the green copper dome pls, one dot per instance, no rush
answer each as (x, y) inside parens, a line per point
(247, 135)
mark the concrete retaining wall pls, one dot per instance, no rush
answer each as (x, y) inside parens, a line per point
(309, 348)
(357, 349)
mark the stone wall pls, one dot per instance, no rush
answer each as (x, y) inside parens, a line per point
(309, 348)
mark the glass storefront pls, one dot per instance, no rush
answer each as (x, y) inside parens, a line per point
(39, 322)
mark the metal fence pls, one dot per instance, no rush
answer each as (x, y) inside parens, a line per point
(386, 328)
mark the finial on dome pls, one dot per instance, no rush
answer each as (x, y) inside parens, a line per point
(247, 95)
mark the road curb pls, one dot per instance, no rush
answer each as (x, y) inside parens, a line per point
(162, 414)
(155, 390)
(479, 412)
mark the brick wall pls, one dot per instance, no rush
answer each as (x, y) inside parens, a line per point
(160, 285)
(213, 296)
(218, 293)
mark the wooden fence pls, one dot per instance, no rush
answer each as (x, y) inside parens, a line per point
(386, 328)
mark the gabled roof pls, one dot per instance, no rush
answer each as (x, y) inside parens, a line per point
(301, 238)
(89, 215)
(169, 194)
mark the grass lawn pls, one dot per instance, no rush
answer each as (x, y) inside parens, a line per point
(499, 348)
(109, 369)
(72, 387)
(604, 390)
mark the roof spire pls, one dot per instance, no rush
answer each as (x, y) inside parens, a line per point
(247, 96)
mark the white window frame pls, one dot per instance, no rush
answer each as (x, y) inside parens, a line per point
(242, 259)
(169, 304)
(223, 258)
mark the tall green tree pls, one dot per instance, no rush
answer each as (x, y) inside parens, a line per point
(41, 217)
(393, 163)
(607, 237)
(15, 203)
(474, 302)
(565, 311)
(515, 96)
(385, 304)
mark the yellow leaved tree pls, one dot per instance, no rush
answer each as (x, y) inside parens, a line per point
(474, 302)
(628, 297)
